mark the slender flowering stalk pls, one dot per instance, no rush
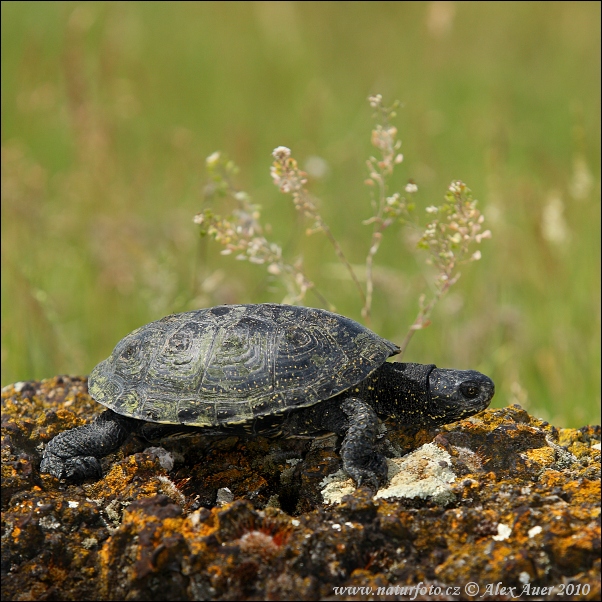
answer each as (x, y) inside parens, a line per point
(291, 180)
(241, 233)
(453, 231)
(449, 238)
(387, 208)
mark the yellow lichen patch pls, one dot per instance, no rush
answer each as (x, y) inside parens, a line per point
(195, 533)
(552, 478)
(580, 449)
(544, 456)
(105, 560)
(221, 479)
(584, 491)
(118, 481)
(567, 437)
(116, 478)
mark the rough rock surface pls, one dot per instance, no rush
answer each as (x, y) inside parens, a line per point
(502, 501)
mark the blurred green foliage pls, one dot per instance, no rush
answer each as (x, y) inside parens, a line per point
(109, 110)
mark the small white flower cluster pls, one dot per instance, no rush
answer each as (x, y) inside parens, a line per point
(456, 228)
(457, 187)
(384, 139)
(212, 161)
(241, 233)
(285, 172)
(291, 180)
(375, 101)
(242, 237)
(281, 153)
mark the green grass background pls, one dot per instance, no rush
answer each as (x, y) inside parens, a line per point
(109, 110)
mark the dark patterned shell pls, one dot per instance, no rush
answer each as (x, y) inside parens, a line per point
(233, 363)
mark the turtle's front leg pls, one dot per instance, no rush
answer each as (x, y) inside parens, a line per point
(75, 454)
(360, 459)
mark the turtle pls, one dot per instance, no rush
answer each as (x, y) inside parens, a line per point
(264, 369)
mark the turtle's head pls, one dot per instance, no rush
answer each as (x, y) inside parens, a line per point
(424, 395)
(457, 394)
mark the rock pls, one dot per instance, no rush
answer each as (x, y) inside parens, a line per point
(501, 500)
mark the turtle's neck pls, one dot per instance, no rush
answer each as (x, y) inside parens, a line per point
(398, 390)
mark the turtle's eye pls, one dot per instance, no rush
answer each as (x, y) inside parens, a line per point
(470, 390)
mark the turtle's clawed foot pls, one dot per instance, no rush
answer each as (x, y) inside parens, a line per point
(75, 454)
(53, 465)
(372, 474)
(81, 468)
(77, 468)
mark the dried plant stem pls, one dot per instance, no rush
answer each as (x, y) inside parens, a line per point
(422, 318)
(384, 139)
(291, 180)
(242, 233)
(377, 234)
(341, 256)
(323, 226)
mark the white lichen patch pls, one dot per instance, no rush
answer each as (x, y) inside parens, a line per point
(113, 513)
(424, 473)
(472, 460)
(194, 519)
(49, 523)
(503, 532)
(564, 458)
(335, 486)
(524, 578)
(89, 543)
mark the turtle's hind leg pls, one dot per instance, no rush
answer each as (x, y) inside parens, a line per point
(75, 454)
(361, 461)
